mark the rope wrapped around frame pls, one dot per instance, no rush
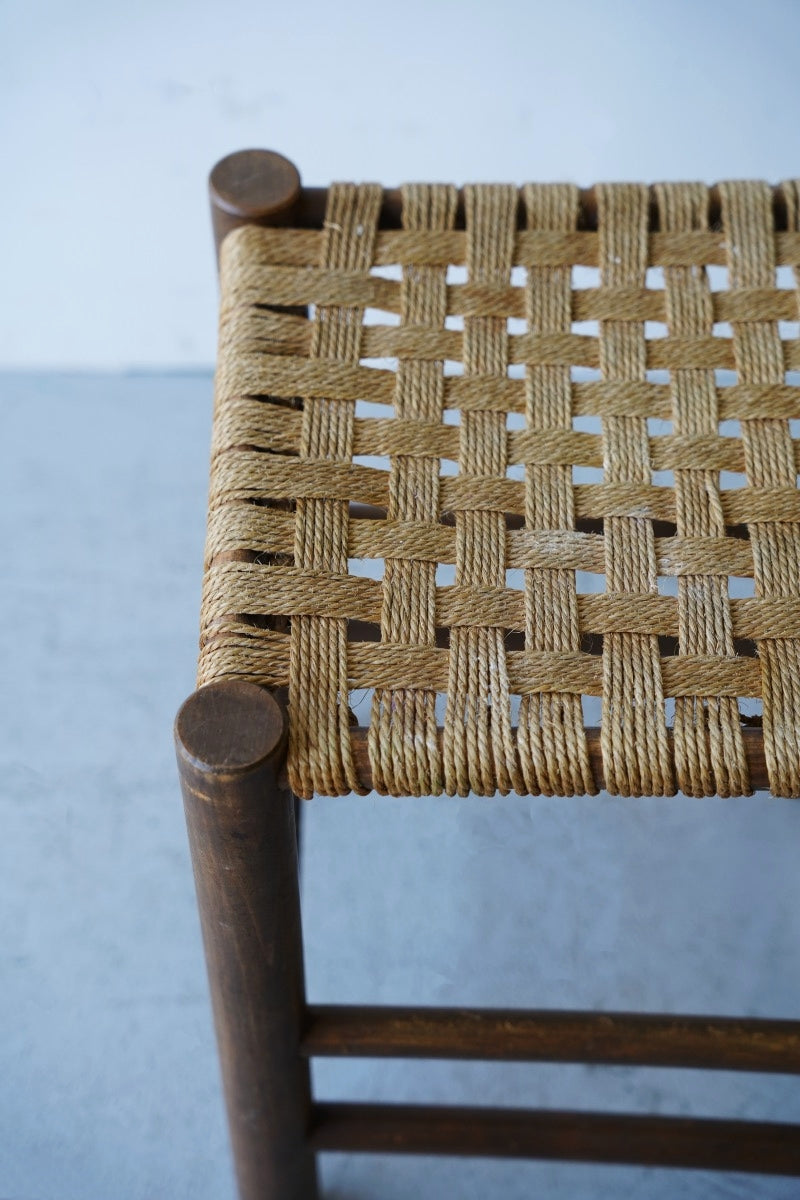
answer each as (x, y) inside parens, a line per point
(421, 475)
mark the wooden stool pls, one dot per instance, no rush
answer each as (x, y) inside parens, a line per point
(480, 678)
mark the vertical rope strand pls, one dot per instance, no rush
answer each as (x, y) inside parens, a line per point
(403, 741)
(320, 753)
(479, 748)
(709, 754)
(551, 739)
(769, 463)
(636, 755)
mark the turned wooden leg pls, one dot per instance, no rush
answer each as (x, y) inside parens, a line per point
(252, 187)
(230, 739)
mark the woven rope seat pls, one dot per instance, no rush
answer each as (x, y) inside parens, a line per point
(514, 470)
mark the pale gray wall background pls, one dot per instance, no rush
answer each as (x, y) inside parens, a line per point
(113, 113)
(111, 117)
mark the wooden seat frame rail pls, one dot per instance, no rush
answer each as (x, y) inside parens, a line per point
(242, 824)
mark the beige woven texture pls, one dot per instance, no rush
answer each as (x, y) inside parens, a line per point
(663, 361)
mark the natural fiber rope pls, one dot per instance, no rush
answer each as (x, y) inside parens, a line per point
(634, 735)
(769, 462)
(320, 754)
(403, 742)
(551, 740)
(296, 493)
(479, 749)
(709, 752)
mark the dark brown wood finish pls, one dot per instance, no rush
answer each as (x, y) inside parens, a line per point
(252, 187)
(513, 1035)
(700, 1143)
(229, 738)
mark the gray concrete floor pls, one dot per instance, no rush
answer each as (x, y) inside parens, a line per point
(108, 1077)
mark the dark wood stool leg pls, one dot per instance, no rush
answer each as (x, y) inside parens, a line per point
(230, 739)
(252, 187)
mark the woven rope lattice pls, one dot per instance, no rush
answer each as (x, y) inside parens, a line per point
(481, 473)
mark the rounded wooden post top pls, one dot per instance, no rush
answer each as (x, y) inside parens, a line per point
(230, 726)
(254, 185)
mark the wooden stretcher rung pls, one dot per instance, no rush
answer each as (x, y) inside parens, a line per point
(696, 1143)
(618, 1039)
